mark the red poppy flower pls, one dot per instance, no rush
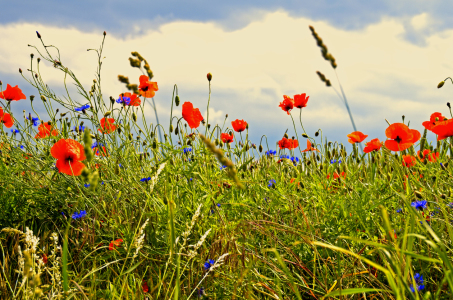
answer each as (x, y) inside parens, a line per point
(44, 258)
(134, 100)
(285, 143)
(356, 137)
(45, 130)
(336, 175)
(300, 100)
(409, 160)
(102, 152)
(107, 127)
(69, 153)
(145, 287)
(400, 137)
(239, 125)
(309, 147)
(433, 120)
(373, 145)
(12, 93)
(115, 243)
(443, 129)
(432, 157)
(287, 104)
(226, 138)
(192, 115)
(146, 87)
(6, 119)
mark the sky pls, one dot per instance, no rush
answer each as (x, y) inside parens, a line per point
(390, 54)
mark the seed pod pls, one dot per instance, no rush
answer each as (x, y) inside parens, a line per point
(177, 100)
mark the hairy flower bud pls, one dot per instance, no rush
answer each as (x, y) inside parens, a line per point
(107, 113)
(134, 117)
(260, 148)
(209, 76)
(171, 127)
(177, 100)
(304, 135)
(39, 36)
(441, 84)
(43, 98)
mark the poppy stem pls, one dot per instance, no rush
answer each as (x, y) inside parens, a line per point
(294, 124)
(347, 107)
(157, 119)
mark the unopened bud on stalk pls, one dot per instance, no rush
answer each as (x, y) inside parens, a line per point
(134, 117)
(216, 142)
(20, 70)
(316, 133)
(31, 98)
(448, 104)
(441, 84)
(260, 148)
(286, 135)
(418, 194)
(39, 36)
(154, 143)
(221, 144)
(107, 113)
(39, 59)
(171, 127)
(177, 130)
(105, 33)
(209, 76)
(43, 98)
(119, 130)
(177, 100)
(31, 55)
(305, 135)
(403, 117)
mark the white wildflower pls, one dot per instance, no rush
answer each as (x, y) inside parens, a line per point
(195, 247)
(140, 238)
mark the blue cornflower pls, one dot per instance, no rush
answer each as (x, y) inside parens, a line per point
(86, 185)
(80, 215)
(120, 165)
(295, 160)
(102, 183)
(15, 130)
(218, 205)
(187, 150)
(201, 292)
(208, 264)
(34, 120)
(271, 182)
(95, 144)
(126, 100)
(284, 156)
(222, 167)
(145, 179)
(419, 205)
(81, 128)
(332, 161)
(450, 204)
(399, 210)
(271, 152)
(86, 106)
(418, 282)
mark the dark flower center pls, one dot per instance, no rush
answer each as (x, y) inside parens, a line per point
(398, 139)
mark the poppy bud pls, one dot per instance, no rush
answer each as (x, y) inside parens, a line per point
(20, 70)
(209, 126)
(443, 196)
(441, 84)
(253, 146)
(43, 98)
(286, 135)
(177, 100)
(171, 127)
(31, 55)
(0, 82)
(107, 113)
(216, 142)
(36, 76)
(105, 33)
(209, 76)
(177, 130)
(226, 116)
(112, 99)
(260, 148)
(39, 36)
(448, 104)
(119, 130)
(31, 98)
(39, 59)
(403, 118)
(134, 117)
(418, 194)
(154, 143)
(328, 83)
(316, 133)
(304, 135)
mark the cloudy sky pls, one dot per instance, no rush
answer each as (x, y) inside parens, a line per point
(390, 54)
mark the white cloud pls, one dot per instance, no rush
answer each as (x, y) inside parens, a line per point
(383, 75)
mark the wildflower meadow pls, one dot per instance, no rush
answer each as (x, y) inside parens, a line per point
(98, 201)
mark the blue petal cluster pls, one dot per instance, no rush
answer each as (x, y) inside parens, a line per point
(418, 282)
(271, 152)
(146, 179)
(207, 265)
(15, 130)
(186, 150)
(125, 100)
(81, 128)
(79, 215)
(35, 121)
(332, 161)
(419, 205)
(86, 106)
(271, 182)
